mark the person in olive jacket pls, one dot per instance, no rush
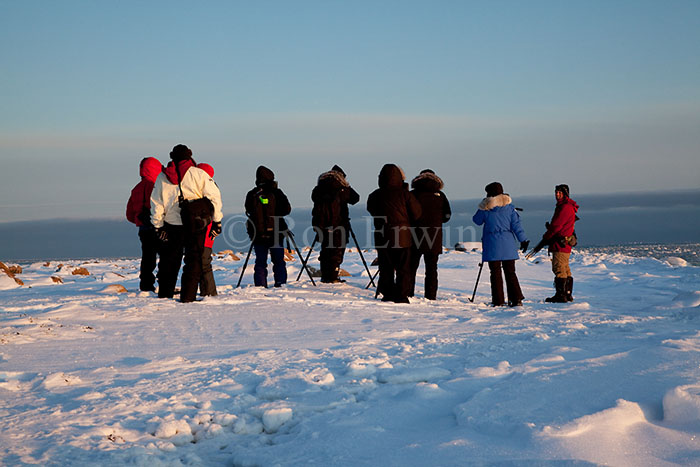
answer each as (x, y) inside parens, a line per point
(426, 187)
(502, 231)
(331, 220)
(394, 210)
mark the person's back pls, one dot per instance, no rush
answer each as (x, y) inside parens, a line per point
(435, 210)
(394, 210)
(138, 211)
(501, 234)
(182, 181)
(331, 221)
(265, 206)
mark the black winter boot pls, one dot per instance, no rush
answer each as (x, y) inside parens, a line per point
(560, 295)
(569, 289)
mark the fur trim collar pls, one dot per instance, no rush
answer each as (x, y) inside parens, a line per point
(427, 178)
(333, 175)
(495, 202)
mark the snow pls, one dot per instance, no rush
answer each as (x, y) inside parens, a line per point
(327, 375)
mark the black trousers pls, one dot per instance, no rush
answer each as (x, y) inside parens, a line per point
(149, 253)
(431, 274)
(207, 285)
(170, 259)
(332, 253)
(394, 274)
(512, 285)
(192, 270)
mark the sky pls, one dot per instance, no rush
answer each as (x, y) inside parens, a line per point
(602, 95)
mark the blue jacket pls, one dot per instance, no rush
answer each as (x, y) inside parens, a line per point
(502, 229)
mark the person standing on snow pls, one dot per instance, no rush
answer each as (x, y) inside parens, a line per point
(181, 178)
(266, 205)
(331, 220)
(138, 211)
(561, 237)
(435, 207)
(394, 210)
(502, 231)
(207, 285)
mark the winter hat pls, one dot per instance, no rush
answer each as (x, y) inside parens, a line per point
(207, 168)
(263, 175)
(427, 171)
(494, 189)
(180, 153)
(563, 188)
(337, 168)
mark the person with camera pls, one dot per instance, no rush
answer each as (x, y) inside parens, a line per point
(560, 237)
(184, 201)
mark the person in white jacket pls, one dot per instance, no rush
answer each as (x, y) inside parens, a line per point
(181, 176)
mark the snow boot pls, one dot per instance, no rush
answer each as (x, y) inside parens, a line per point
(569, 289)
(560, 295)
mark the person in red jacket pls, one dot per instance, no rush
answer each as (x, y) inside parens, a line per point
(560, 237)
(207, 285)
(138, 211)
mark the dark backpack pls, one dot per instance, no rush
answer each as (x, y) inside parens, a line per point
(261, 216)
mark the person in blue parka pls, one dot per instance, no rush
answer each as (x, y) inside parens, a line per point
(502, 232)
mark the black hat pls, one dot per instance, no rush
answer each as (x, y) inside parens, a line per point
(494, 189)
(427, 171)
(563, 188)
(336, 168)
(180, 153)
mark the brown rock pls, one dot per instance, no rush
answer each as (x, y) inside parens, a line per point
(9, 273)
(57, 280)
(234, 257)
(80, 272)
(17, 269)
(114, 289)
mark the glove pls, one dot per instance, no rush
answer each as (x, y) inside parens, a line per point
(524, 245)
(215, 230)
(162, 235)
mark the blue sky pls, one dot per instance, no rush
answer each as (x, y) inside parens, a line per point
(604, 95)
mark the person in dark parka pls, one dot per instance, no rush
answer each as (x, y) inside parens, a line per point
(502, 231)
(395, 211)
(331, 220)
(435, 207)
(266, 205)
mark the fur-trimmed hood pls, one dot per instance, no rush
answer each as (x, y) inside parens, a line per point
(498, 201)
(333, 177)
(427, 181)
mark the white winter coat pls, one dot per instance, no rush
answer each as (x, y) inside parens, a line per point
(196, 183)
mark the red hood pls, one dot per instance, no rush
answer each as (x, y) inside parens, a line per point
(183, 167)
(150, 168)
(569, 201)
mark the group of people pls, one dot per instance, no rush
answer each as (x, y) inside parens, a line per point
(178, 211)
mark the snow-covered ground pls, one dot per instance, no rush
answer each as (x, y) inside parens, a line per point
(326, 375)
